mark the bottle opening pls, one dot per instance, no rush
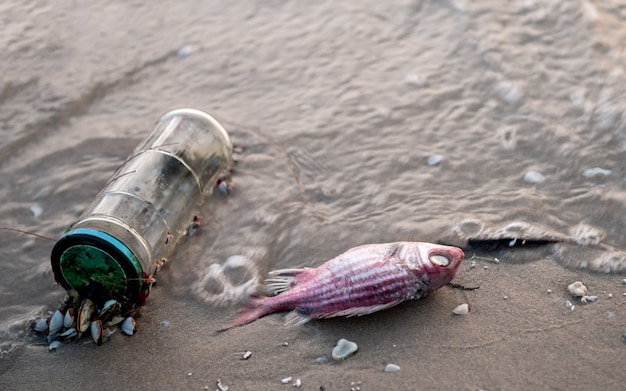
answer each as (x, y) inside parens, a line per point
(95, 263)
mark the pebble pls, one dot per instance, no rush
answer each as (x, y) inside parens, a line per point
(185, 51)
(220, 386)
(37, 210)
(286, 380)
(588, 299)
(165, 323)
(596, 171)
(246, 355)
(344, 349)
(434, 160)
(392, 368)
(462, 309)
(577, 289)
(414, 80)
(534, 177)
(321, 360)
(509, 92)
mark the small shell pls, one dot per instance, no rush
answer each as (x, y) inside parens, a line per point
(462, 309)
(344, 349)
(297, 383)
(577, 289)
(588, 299)
(286, 380)
(129, 326)
(83, 319)
(56, 324)
(110, 309)
(41, 325)
(97, 331)
(392, 368)
(70, 318)
(54, 345)
(68, 334)
(114, 320)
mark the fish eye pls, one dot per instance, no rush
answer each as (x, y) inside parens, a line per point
(439, 260)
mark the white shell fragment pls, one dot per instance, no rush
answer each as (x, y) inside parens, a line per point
(596, 171)
(434, 160)
(392, 368)
(246, 355)
(462, 309)
(54, 345)
(297, 383)
(534, 177)
(70, 318)
(344, 349)
(577, 289)
(41, 325)
(97, 331)
(569, 305)
(286, 380)
(56, 324)
(588, 299)
(129, 327)
(37, 210)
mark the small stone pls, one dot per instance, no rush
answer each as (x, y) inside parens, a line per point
(577, 289)
(321, 360)
(286, 380)
(344, 349)
(414, 80)
(246, 355)
(588, 299)
(392, 368)
(534, 177)
(165, 323)
(462, 309)
(609, 296)
(549, 291)
(596, 171)
(37, 210)
(509, 92)
(434, 160)
(185, 51)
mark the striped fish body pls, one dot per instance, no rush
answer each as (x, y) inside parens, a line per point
(358, 282)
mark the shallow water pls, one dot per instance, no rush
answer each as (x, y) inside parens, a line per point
(337, 108)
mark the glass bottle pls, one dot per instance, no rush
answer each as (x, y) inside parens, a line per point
(135, 221)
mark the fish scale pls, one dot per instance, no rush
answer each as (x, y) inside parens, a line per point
(358, 282)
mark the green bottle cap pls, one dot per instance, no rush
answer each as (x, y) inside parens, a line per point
(94, 262)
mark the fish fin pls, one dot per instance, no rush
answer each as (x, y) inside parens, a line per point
(282, 280)
(253, 311)
(296, 318)
(360, 311)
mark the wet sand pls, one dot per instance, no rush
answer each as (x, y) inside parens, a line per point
(338, 106)
(516, 336)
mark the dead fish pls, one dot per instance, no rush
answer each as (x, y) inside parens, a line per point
(358, 282)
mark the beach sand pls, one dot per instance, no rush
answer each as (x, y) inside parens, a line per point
(345, 101)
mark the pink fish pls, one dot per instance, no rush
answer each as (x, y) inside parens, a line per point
(358, 282)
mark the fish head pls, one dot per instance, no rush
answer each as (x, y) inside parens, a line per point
(437, 264)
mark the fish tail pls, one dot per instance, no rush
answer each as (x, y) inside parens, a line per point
(253, 311)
